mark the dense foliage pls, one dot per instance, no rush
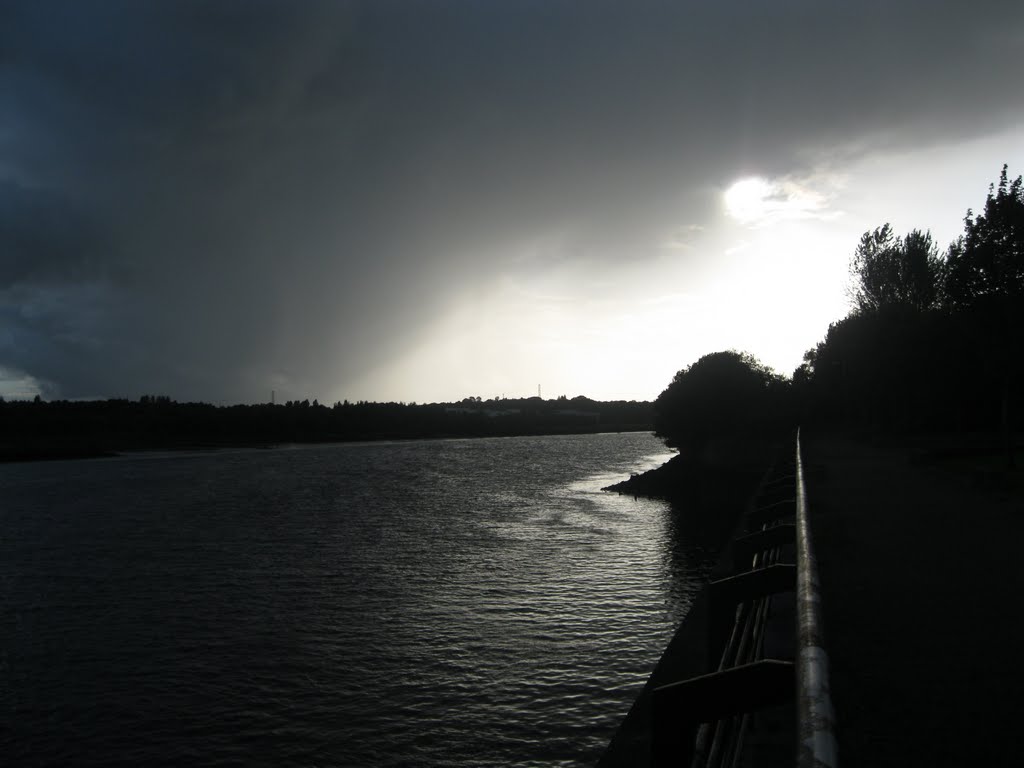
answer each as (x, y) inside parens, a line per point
(894, 271)
(934, 340)
(722, 394)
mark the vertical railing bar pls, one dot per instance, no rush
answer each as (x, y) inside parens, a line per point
(816, 741)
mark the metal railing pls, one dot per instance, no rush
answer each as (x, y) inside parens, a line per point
(703, 721)
(816, 740)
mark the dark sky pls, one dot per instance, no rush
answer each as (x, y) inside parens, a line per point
(427, 200)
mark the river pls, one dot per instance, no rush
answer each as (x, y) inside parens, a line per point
(436, 603)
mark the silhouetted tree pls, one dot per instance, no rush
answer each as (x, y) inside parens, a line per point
(877, 368)
(988, 263)
(931, 339)
(723, 393)
(985, 285)
(895, 271)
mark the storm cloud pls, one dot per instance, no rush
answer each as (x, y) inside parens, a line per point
(216, 199)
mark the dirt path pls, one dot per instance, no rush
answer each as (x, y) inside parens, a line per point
(922, 580)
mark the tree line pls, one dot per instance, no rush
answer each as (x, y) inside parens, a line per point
(58, 429)
(933, 342)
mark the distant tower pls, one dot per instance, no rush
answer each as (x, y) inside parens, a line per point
(538, 392)
(272, 397)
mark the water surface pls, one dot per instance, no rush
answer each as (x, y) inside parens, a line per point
(448, 603)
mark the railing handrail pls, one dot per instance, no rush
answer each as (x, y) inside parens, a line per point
(816, 741)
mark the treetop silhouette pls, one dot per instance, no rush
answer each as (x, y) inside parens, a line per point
(892, 271)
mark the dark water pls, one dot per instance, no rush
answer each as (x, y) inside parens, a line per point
(461, 603)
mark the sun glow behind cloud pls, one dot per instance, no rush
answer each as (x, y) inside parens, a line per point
(758, 202)
(746, 199)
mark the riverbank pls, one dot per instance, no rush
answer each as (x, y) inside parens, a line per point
(708, 490)
(708, 494)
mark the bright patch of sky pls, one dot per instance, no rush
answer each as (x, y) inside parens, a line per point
(17, 385)
(781, 267)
